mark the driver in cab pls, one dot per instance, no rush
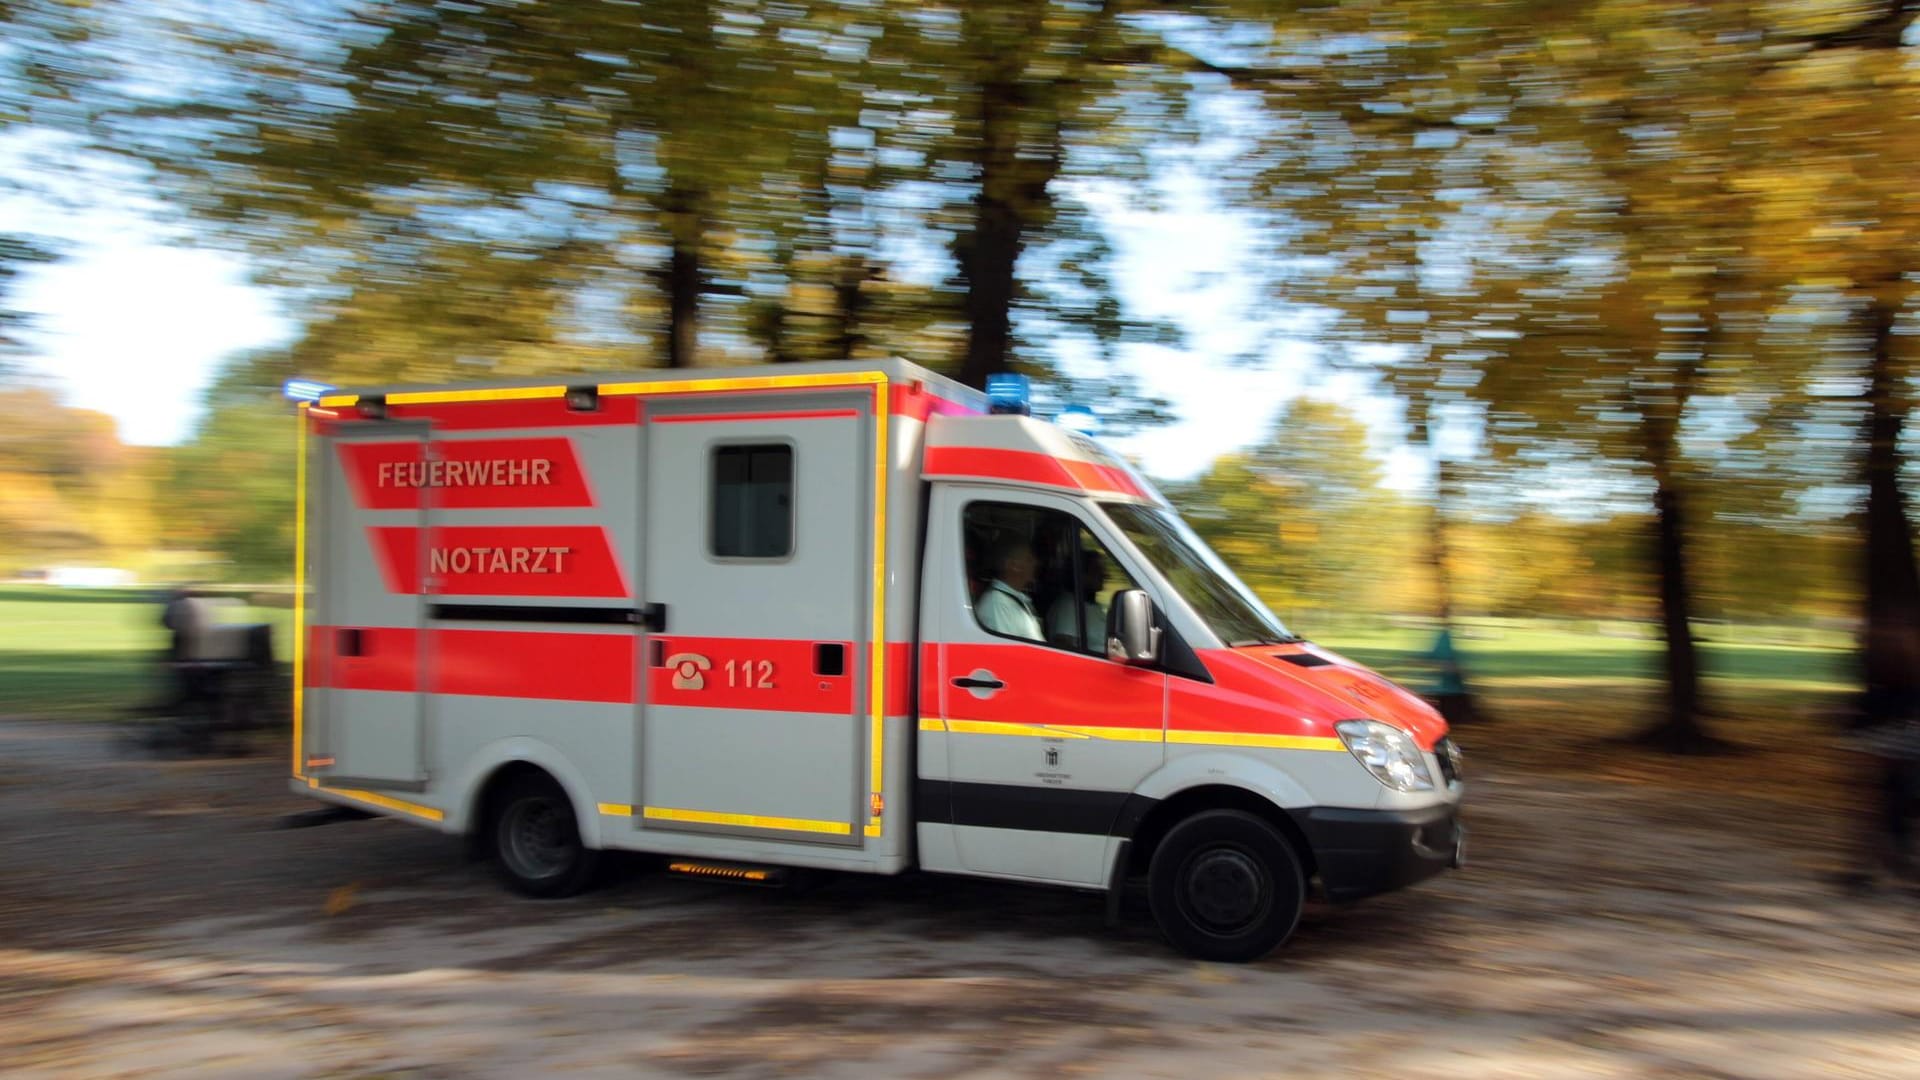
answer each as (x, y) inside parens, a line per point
(1005, 607)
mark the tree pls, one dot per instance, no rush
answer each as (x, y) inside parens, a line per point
(1302, 517)
(1841, 221)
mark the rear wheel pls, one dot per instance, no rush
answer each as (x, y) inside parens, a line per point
(536, 840)
(1226, 886)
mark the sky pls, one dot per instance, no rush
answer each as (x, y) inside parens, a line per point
(134, 321)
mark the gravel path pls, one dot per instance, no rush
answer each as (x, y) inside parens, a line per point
(154, 923)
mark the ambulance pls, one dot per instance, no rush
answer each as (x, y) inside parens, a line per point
(835, 617)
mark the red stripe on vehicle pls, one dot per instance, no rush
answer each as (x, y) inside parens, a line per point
(915, 402)
(477, 663)
(749, 673)
(803, 414)
(465, 474)
(364, 658)
(1046, 685)
(900, 683)
(1102, 478)
(990, 464)
(532, 664)
(501, 415)
(930, 681)
(500, 560)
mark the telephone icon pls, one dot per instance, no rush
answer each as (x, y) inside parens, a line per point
(687, 668)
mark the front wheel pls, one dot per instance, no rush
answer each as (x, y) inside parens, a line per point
(1226, 886)
(536, 841)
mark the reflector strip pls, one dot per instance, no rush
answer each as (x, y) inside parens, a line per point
(745, 821)
(1272, 742)
(299, 590)
(385, 802)
(447, 397)
(1119, 734)
(714, 418)
(877, 696)
(760, 382)
(704, 870)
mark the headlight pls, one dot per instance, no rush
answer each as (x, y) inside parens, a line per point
(1388, 753)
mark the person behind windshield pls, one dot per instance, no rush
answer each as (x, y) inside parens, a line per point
(1061, 627)
(1004, 607)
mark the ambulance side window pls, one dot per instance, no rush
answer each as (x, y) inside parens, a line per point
(752, 502)
(1039, 575)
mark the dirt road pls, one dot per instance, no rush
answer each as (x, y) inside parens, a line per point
(154, 923)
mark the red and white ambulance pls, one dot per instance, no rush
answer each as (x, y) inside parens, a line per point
(842, 617)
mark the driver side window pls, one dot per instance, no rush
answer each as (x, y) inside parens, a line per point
(1039, 575)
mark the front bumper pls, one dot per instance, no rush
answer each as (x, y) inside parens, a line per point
(1361, 853)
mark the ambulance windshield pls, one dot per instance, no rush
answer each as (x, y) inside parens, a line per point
(1185, 560)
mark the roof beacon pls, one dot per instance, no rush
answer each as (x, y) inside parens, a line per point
(304, 390)
(1009, 394)
(1079, 418)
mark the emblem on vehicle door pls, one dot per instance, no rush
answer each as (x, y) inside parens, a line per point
(687, 668)
(1053, 756)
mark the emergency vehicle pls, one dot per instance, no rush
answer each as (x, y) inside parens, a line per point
(737, 618)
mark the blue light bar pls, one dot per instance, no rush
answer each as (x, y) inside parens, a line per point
(1009, 394)
(304, 390)
(1079, 418)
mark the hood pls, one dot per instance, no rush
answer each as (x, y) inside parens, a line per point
(1322, 687)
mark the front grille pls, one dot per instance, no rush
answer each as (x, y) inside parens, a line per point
(1444, 750)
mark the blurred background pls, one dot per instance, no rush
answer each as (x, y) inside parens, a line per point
(1553, 357)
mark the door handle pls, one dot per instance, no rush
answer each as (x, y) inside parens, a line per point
(981, 683)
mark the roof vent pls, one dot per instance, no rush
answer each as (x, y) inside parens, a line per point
(1303, 659)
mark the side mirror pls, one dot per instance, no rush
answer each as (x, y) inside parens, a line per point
(1132, 638)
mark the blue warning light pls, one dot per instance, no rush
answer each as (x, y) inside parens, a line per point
(1009, 394)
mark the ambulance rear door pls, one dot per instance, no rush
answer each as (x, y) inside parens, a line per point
(364, 719)
(760, 551)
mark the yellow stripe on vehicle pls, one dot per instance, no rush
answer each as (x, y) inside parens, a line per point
(746, 821)
(456, 397)
(822, 380)
(616, 810)
(1053, 731)
(339, 401)
(385, 802)
(300, 593)
(877, 692)
(1272, 742)
(1119, 734)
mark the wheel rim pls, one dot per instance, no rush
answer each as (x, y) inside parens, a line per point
(1225, 890)
(539, 838)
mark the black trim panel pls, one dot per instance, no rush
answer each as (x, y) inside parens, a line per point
(546, 613)
(1029, 807)
(1303, 659)
(1365, 852)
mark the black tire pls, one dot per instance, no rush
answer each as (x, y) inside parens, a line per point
(1226, 886)
(536, 841)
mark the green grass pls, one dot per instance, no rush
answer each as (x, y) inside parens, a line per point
(86, 653)
(76, 653)
(1541, 656)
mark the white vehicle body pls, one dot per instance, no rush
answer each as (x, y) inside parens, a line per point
(735, 617)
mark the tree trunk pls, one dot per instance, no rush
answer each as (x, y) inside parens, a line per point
(1679, 729)
(1451, 694)
(850, 306)
(685, 277)
(989, 252)
(1892, 584)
